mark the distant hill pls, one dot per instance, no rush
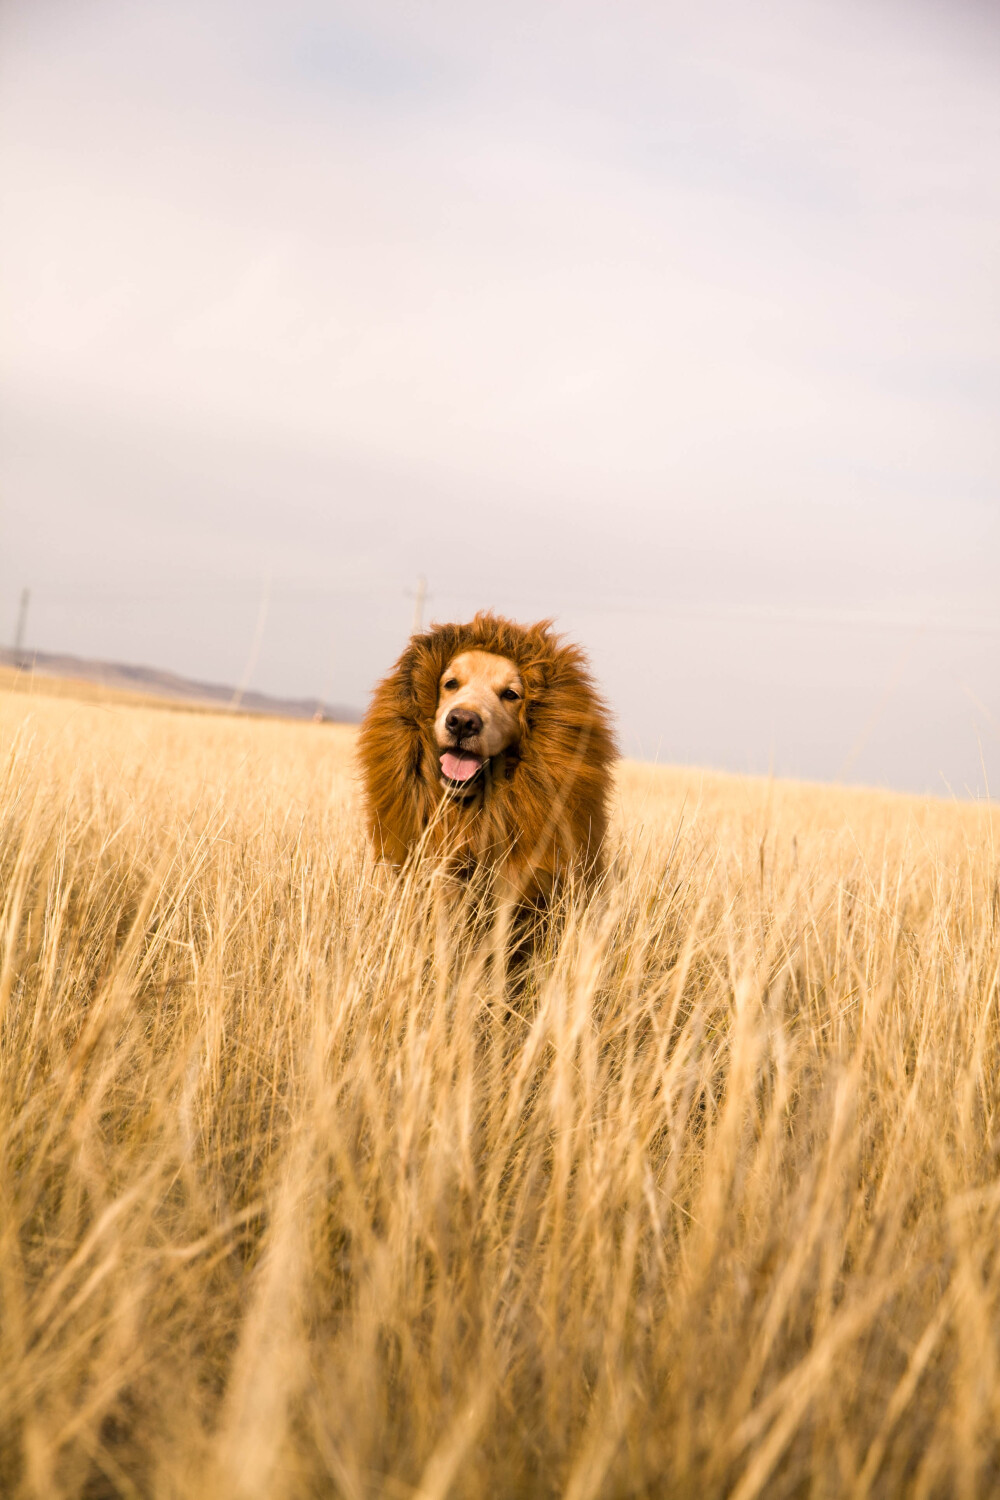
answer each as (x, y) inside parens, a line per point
(148, 682)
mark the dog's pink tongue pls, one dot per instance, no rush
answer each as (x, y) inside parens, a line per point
(460, 765)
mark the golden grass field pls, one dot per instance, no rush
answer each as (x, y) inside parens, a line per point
(297, 1200)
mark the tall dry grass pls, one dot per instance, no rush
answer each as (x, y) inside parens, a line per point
(295, 1200)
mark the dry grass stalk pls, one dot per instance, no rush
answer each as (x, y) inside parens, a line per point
(294, 1201)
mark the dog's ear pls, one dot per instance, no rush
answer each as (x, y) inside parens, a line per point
(420, 668)
(535, 677)
(408, 675)
(415, 675)
(403, 675)
(536, 661)
(391, 753)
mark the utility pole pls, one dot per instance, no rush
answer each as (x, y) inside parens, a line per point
(22, 621)
(419, 600)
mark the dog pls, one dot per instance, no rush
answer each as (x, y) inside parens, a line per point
(489, 746)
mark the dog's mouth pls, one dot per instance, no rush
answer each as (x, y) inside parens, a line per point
(460, 766)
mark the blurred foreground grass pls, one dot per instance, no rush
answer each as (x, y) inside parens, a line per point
(294, 1201)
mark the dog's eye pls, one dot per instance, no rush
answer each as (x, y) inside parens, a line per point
(451, 684)
(510, 695)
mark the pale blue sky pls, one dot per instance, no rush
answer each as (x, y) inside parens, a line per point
(677, 323)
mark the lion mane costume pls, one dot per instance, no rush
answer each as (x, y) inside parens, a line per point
(541, 807)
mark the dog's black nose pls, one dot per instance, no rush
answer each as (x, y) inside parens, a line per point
(462, 721)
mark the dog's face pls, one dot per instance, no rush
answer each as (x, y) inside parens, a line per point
(478, 713)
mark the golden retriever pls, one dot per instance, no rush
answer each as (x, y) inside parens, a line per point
(488, 744)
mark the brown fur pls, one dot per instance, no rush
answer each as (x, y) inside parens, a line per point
(542, 807)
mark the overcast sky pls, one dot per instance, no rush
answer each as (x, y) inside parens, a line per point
(676, 322)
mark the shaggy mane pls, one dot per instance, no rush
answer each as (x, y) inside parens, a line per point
(544, 808)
